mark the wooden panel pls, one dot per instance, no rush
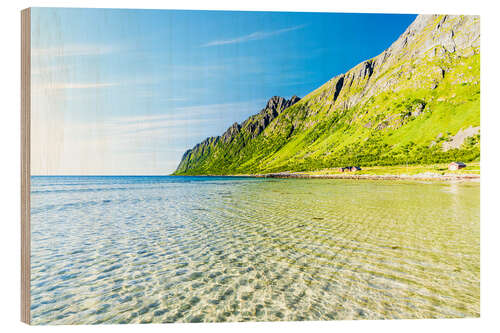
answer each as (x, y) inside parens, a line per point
(25, 164)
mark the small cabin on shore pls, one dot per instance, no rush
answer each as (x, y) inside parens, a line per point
(456, 165)
(349, 168)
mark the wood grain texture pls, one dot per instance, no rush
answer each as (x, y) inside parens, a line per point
(25, 164)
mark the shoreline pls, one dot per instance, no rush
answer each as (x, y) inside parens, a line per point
(432, 172)
(422, 176)
(353, 176)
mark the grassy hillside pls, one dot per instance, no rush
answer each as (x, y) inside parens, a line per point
(409, 105)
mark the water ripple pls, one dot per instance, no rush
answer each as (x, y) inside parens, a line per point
(197, 249)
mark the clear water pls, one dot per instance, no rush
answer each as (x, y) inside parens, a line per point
(187, 249)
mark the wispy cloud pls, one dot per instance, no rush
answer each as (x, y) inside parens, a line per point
(188, 114)
(175, 123)
(67, 50)
(175, 99)
(257, 35)
(150, 127)
(84, 85)
(43, 85)
(36, 69)
(47, 87)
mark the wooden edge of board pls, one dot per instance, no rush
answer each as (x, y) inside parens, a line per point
(25, 164)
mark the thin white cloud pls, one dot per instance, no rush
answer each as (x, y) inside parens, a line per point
(191, 112)
(84, 85)
(46, 87)
(119, 128)
(175, 99)
(155, 124)
(68, 50)
(258, 35)
(154, 128)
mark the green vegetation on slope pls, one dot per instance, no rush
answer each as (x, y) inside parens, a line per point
(397, 108)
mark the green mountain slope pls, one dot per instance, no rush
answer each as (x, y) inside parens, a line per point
(416, 103)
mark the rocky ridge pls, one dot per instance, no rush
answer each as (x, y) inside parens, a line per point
(252, 127)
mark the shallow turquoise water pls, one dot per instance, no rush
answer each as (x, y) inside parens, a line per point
(165, 249)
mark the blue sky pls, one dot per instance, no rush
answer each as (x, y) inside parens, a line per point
(128, 91)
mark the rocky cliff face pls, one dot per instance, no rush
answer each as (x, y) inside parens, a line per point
(256, 124)
(428, 38)
(248, 130)
(398, 107)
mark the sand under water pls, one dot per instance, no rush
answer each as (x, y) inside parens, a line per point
(191, 249)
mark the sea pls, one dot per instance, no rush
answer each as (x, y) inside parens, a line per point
(160, 249)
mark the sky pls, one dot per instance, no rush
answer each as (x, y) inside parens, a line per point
(116, 92)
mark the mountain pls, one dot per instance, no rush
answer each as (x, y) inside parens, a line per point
(416, 102)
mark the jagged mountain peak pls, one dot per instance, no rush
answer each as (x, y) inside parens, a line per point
(274, 106)
(280, 103)
(245, 131)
